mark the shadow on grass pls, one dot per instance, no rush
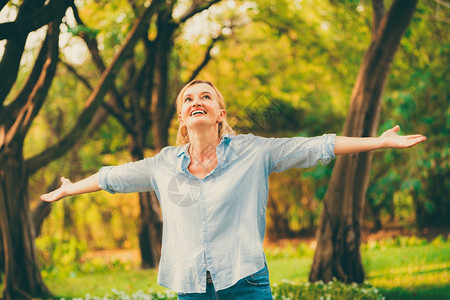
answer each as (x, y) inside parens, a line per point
(414, 273)
(422, 293)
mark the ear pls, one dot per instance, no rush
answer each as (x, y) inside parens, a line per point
(180, 119)
(222, 114)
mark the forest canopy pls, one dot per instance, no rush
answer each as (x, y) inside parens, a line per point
(285, 68)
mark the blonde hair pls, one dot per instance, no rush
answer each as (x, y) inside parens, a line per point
(224, 127)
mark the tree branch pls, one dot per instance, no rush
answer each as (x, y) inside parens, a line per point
(96, 98)
(36, 20)
(80, 77)
(108, 107)
(443, 3)
(13, 54)
(195, 8)
(35, 96)
(92, 45)
(13, 109)
(117, 114)
(207, 57)
(378, 12)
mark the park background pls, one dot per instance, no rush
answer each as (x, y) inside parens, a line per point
(100, 91)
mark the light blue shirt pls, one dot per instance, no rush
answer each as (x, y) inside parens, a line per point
(216, 223)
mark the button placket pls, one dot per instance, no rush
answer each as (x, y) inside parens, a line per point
(203, 214)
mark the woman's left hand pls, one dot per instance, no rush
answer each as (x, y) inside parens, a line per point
(392, 140)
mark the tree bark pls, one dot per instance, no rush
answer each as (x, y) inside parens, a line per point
(22, 274)
(2, 256)
(96, 98)
(13, 52)
(339, 234)
(39, 17)
(150, 230)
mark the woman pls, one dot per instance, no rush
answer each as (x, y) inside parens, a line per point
(213, 191)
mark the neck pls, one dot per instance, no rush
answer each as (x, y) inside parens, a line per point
(203, 143)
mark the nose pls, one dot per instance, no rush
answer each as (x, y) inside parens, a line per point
(196, 101)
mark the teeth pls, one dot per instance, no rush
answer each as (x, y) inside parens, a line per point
(196, 112)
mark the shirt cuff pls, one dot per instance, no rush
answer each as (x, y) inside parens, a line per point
(328, 148)
(102, 180)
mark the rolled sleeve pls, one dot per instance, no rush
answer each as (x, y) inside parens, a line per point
(102, 182)
(128, 178)
(327, 152)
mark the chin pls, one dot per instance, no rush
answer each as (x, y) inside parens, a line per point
(200, 124)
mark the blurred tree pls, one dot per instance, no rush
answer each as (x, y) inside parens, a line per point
(22, 275)
(285, 73)
(145, 102)
(417, 90)
(339, 234)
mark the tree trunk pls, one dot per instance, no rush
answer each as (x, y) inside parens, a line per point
(150, 232)
(150, 229)
(2, 257)
(280, 224)
(23, 277)
(339, 234)
(22, 274)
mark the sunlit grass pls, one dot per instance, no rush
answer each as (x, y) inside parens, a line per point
(410, 272)
(400, 269)
(99, 284)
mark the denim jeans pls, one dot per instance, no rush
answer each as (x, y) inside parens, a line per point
(256, 286)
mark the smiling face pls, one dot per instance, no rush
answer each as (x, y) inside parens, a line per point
(200, 107)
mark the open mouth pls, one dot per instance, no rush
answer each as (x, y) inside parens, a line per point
(198, 112)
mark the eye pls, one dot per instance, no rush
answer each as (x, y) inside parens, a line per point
(207, 97)
(187, 99)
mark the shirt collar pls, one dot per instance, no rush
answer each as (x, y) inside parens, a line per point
(183, 150)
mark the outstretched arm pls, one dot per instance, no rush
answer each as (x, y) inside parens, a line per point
(67, 188)
(389, 139)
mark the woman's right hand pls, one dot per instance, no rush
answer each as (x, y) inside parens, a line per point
(59, 193)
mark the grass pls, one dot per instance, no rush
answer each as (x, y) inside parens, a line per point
(403, 268)
(99, 284)
(410, 271)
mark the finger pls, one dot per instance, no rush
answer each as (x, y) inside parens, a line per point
(45, 197)
(412, 142)
(396, 128)
(65, 180)
(49, 197)
(415, 136)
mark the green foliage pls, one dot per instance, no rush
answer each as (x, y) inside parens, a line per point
(80, 29)
(59, 257)
(416, 97)
(324, 291)
(302, 57)
(65, 258)
(289, 250)
(409, 267)
(283, 291)
(405, 267)
(139, 295)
